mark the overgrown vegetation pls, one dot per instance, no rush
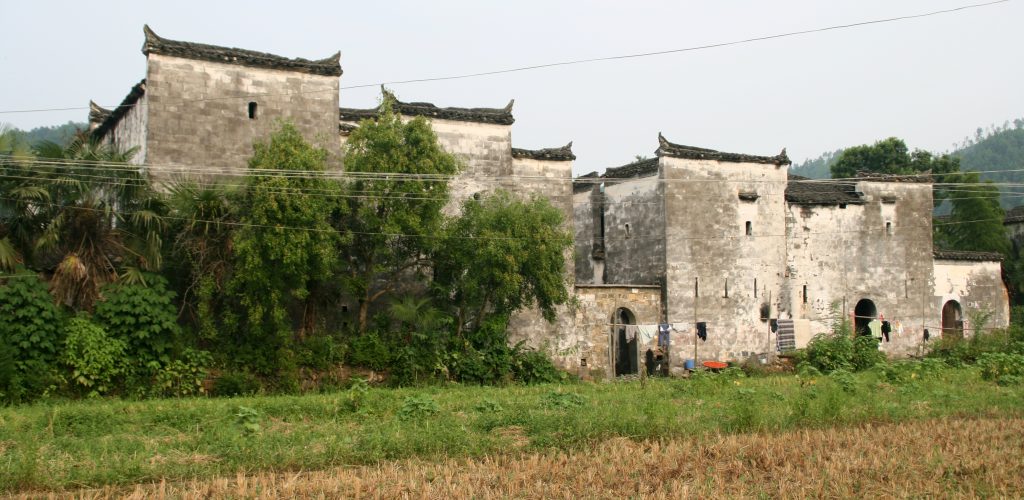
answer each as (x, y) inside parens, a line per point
(272, 285)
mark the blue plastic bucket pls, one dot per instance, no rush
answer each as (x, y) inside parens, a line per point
(688, 364)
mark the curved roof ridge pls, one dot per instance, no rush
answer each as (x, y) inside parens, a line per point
(666, 148)
(154, 44)
(563, 153)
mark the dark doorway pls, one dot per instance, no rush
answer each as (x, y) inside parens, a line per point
(863, 314)
(624, 344)
(952, 319)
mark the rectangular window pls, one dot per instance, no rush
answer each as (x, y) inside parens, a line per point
(755, 288)
(888, 228)
(727, 288)
(750, 228)
(252, 110)
(805, 294)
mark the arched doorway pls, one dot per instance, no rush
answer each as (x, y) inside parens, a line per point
(863, 314)
(952, 319)
(623, 343)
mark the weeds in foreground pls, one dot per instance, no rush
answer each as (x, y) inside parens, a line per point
(52, 446)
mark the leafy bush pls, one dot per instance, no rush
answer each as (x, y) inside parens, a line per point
(31, 331)
(534, 367)
(370, 351)
(556, 400)
(956, 351)
(144, 317)
(320, 352)
(829, 352)
(96, 360)
(236, 384)
(183, 376)
(416, 407)
(1002, 367)
(865, 354)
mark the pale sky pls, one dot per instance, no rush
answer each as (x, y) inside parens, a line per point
(931, 81)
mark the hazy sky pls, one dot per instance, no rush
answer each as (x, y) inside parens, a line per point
(931, 81)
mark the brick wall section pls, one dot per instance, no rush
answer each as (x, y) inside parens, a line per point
(595, 306)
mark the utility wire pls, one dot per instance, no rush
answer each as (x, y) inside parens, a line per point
(599, 59)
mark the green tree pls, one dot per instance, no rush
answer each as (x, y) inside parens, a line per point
(976, 221)
(393, 221)
(285, 243)
(501, 255)
(891, 156)
(98, 218)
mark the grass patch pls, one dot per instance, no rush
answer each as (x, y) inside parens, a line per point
(57, 446)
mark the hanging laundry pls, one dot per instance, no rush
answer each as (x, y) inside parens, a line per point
(875, 327)
(702, 331)
(646, 333)
(663, 334)
(897, 327)
(886, 329)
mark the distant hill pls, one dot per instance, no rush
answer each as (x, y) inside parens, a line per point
(61, 134)
(816, 168)
(999, 154)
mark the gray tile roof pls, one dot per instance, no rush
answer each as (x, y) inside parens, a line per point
(563, 153)
(113, 117)
(804, 191)
(971, 256)
(667, 148)
(500, 116)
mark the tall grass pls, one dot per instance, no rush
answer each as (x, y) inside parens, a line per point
(102, 442)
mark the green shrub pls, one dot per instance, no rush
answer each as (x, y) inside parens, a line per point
(96, 360)
(556, 400)
(865, 354)
(183, 376)
(144, 317)
(1001, 366)
(370, 351)
(31, 329)
(320, 352)
(236, 384)
(956, 351)
(531, 366)
(417, 407)
(830, 351)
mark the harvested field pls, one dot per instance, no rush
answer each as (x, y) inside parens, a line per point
(941, 457)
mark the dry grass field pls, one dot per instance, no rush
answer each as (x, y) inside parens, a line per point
(949, 457)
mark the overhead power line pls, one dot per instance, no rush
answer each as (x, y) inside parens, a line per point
(573, 62)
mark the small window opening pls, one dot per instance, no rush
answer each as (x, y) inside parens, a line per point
(627, 230)
(805, 294)
(344, 309)
(696, 287)
(727, 288)
(583, 361)
(755, 288)
(252, 110)
(842, 205)
(750, 228)
(888, 228)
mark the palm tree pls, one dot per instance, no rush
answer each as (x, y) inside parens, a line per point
(100, 217)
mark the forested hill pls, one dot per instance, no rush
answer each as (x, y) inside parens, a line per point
(61, 134)
(816, 168)
(998, 152)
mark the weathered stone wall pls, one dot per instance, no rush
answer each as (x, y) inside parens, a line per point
(486, 152)
(634, 231)
(198, 120)
(978, 288)
(553, 180)
(131, 131)
(595, 306)
(589, 270)
(841, 255)
(712, 263)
